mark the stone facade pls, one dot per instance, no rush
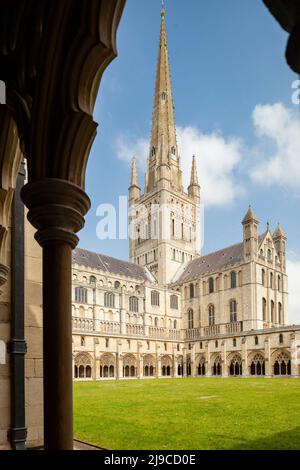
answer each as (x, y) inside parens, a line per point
(170, 311)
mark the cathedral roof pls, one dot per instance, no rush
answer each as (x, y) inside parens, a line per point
(111, 265)
(215, 261)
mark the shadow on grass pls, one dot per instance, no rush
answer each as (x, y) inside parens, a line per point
(287, 440)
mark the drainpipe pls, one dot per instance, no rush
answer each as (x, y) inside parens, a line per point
(17, 346)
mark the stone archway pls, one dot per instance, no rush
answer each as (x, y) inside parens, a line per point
(107, 366)
(201, 365)
(129, 366)
(281, 362)
(149, 365)
(235, 368)
(166, 366)
(83, 366)
(217, 365)
(256, 363)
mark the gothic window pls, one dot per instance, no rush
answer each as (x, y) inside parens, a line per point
(264, 309)
(178, 347)
(233, 279)
(272, 311)
(256, 340)
(109, 300)
(106, 342)
(279, 283)
(174, 302)
(281, 338)
(82, 341)
(271, 280)
(133, 304)
(269, 255)
(200, 344)
(92, 280)
(81, 295)
(153, 152)
(211, 315)
(155, 298)
(263, 277)
(233, 311)
(163, 95)
(173, 228)
(211, 285)
(175, 324)
(190, 319)
(234, 342)
(155, 321)
(117, 285)
(173, 151)
(182, 232)
(192, 291)
(280, 313)
(216, 344)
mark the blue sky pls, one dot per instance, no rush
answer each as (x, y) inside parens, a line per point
(228, 74)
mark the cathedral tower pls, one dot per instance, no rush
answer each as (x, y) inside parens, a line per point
(164, 221)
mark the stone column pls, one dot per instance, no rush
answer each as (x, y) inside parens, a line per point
(184, 364)
(294, 359)
(245, 371)
(140, 361)
(224, 359)
(158, 362)
(193, 361)
(175, 363)
(56, 210)
(120, 374)
(268, 365)
(208, 361)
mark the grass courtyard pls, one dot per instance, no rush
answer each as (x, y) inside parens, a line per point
(192, 413)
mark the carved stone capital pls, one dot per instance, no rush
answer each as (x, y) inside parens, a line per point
(3, 274)
(56, 209)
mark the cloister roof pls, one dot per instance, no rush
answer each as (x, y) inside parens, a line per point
(108, 264)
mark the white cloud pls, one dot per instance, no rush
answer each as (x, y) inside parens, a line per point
(128, 148)
(279, 164)
(217, 161)
(293, 272)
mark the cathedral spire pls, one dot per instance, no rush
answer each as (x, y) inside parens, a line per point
(163, 145)
(134, 189)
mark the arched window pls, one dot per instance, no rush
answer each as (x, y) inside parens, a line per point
(175, 324)
(281, 338)
(82, 341)
(269, 255)
(153, 152)
(233, 311)
(233, 279)
(216, 344)
(190, 319)
(173, 227)
(163, 95)
(81, 295)
(256, 340)
(272, 311)
(263, 277)
(173, 151)
(174, 302)
(109, 300)
(271, 280)
(211, 315)
(93, 280)
(192, 291)
(133, 304)
(117, 285)
(234, 342)
(211, 285)
(280, 320)
(155, 298)
(279, 283)
(264, 309)
(200, 345)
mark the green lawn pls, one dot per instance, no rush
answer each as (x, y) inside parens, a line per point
(170, 413)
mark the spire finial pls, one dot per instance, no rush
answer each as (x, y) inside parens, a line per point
(134, 179)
